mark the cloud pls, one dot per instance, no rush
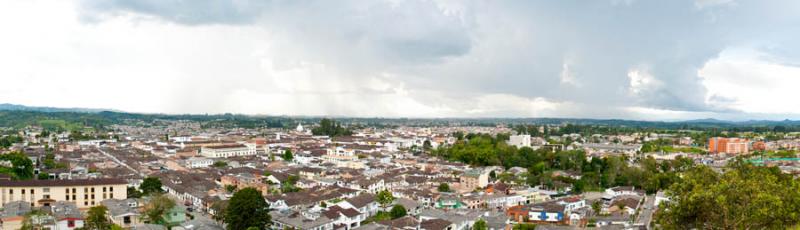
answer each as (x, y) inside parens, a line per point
(399, 58)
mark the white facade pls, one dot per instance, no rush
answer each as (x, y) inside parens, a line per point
(199, 162)
(520, 141)
(225, 151)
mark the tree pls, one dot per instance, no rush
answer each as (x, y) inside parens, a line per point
(220, 164)
(155, 209)
(230, 188)
(385, 198)
(523, 226)
(287, 155)
(597, 206)
(744, 196)
(134, 193)
(22, 165)
(96, 218)
(151, 185)
(43, 176)
(33, 220)
(246, 209)
(480, 225)
(397, 211)
(443, 187)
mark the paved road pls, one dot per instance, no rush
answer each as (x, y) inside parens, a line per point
(646, 212)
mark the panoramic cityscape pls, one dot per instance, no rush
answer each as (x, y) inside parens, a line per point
(399, 114)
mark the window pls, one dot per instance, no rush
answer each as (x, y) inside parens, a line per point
(111, 189)
(23, 191)
(73, 190)
(85, 190)
(73, 197)
(92, 196)
(104, 196)
(46, 197)
(46, 190)
(11, 191)
(66, 197)
(86, 203)
(31, 191)
(104, 189)
(111, 196)
(92, 189)
(71, 223)
(66, 190)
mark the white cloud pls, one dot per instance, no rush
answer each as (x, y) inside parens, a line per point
(742, 81)
(641, 81)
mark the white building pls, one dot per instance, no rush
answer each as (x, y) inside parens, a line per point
(198, 162)
(520, 141)
(225, 151)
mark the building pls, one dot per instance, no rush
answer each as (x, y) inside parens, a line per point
(519, 141)
(198, 162)
(474, 178)
(84, 193)
(228, 150)
(728, 145)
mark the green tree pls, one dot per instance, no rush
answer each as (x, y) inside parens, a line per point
(22, 165)
(96, 218)
(155, 209)
(220, 164)
(134, 192)
(597, 206)
(443, 187)
(744, 196)
(151, 185)
(43, 176)
(397, 211)
(287, 155)
(524, 226)
(33, 220)
(480, 225)
(384, 198)
(247, 208)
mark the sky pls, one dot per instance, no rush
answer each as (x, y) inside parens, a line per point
(625, 59)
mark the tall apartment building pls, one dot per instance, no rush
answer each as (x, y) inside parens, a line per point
(84, 193)
(728, 145)
(229, 150)
(519, 141)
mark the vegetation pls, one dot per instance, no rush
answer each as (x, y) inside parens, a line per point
(22, 166)
(384, 198)
(480, 225)
(596, 174)
(9, 140)
(220, 164)
(287, 155)
(157, 207)
(331, 128)
(290, 185)
(524, 226)
(443, 187)
(151, 185)
(743, 197)
(247, 209)
(96, 219)
(397, 211)
(134, 192)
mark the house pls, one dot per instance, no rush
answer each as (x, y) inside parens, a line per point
(198, 162)
(13, 214)
(344, 218)
(289, 219)
(462, 219)
(124, 213)
(449, 201)
(364, 203)
(622, 190)
(176, 215)
(67, 215)
(437, 224)
(228, 150)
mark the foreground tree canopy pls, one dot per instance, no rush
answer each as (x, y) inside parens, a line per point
(743, 197)
(247, 209)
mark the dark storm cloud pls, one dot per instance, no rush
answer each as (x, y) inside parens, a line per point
(468, 48)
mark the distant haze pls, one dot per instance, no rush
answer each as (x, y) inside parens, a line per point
(627, 59)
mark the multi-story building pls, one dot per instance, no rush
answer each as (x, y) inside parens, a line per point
(474, 178)
(84, 193)
(229, 150)
(728, 145)
(520, 140)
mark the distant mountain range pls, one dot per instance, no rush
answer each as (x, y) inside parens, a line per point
(707, 122)
(15, 107)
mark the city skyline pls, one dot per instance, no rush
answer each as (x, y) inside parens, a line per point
(634, 59)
